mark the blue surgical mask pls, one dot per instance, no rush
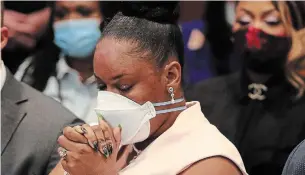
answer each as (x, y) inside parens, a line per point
(77, 38)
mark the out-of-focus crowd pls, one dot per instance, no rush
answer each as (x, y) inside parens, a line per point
(52, 46)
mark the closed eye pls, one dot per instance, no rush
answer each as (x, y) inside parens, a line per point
(84, 11)
(272, 20)
(125, 88)
(244, 20)
(60, 13)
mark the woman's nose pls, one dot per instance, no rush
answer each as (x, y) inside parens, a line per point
(256, 25)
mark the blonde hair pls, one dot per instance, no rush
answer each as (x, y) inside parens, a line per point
(295, 64)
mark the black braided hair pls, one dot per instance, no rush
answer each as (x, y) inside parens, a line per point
(153, 25)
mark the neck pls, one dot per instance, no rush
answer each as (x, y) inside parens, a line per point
(258, 77)
(83, 67)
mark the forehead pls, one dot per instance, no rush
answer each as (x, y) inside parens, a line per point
(255, 6)
(74, 4)
(113, 58)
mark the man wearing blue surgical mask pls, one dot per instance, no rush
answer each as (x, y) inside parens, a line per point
(63, 70)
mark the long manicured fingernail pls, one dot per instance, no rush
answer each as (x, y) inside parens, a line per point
(91, 145)
(84, 130)
(120, 127)
(110, 148)
(105, 151)
(95, 145)
(79, 130)
(100, 117)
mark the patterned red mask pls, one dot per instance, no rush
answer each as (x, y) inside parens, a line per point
(253, 38)
(260, 51)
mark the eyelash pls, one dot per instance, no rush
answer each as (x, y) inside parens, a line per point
(273, 23)
(60, 14)
(242, 22)
(84, 11)
(122, 88)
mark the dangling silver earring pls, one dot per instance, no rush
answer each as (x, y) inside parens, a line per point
(171, 92)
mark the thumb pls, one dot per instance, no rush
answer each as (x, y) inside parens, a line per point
(117, 135)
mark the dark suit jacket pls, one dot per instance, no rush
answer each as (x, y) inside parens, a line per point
(30, 126)
(295, 164)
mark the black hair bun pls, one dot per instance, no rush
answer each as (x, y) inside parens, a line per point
(166, 12)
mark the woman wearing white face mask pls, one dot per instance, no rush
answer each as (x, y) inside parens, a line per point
(137, 64)
(63, 69)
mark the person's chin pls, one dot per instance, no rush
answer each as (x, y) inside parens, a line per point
(13, 44)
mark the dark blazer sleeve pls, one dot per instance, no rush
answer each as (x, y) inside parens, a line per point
(295, 164)
(30, 126)
(54, 157)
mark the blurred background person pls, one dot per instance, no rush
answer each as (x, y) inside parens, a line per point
(63, 69)
(261, 108)
(219, 17)
(198, 66)
(30, 124)
(27, 22)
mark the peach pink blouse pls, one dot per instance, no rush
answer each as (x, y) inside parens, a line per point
(190, 139)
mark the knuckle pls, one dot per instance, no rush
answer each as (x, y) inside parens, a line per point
(99, 133)
(67, 131)
(61, 139)
(71, 164)
(76, 157)
(91, 138)
(84, 149)
(95, 127)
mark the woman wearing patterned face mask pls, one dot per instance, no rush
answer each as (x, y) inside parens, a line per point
(261, 108)
(64, 70)
(137, 66)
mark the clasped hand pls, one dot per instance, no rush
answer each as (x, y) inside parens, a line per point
(91, 150)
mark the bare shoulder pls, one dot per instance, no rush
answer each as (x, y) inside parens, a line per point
(213, 166)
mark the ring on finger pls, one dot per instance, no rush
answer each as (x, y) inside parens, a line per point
(62, 153)
(79, 129)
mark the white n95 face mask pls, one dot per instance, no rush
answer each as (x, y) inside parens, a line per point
(133, 117)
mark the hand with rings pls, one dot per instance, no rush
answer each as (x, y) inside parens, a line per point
(90, 149)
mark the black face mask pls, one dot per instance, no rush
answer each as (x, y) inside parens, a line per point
(261, 52)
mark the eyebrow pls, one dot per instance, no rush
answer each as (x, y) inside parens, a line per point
(113, 78)
(117, 77)
(264, 13)
(267, 12)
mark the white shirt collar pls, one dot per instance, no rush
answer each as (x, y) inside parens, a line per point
(63, 68)
(2, 74)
